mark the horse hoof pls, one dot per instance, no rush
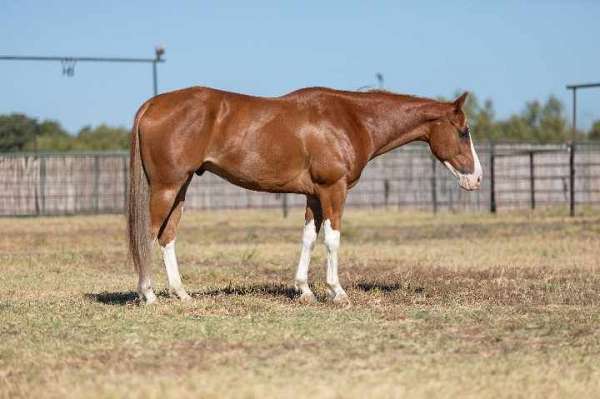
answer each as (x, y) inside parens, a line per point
(148, 298)
(307, 297)
(341, 299)
(184, 296)
(181, 294)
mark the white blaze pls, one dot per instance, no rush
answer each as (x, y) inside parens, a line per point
(470, 181)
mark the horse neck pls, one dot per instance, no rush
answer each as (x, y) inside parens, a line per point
(392, 120)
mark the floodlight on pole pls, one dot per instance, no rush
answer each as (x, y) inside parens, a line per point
(159, 50)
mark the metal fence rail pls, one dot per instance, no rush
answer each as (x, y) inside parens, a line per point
(515, 176)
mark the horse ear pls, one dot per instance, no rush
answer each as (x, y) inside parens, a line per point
(460, 101)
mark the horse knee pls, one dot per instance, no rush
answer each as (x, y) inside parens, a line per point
(309, 235)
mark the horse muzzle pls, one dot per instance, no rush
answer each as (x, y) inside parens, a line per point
(467, 181)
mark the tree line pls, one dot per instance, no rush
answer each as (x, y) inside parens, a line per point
(20, 132)
(537, 122)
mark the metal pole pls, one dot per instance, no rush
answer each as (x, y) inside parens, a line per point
(572, 179)
(125, 181)
(284, 205)
(531, 179)
(78, 59)
(154, 78)
(492, 180)
(433, 186)
(96, 189)
(573, 140)
(159, 51)
(572, 157)
(42, 209)
(574, 114)
(386, 192)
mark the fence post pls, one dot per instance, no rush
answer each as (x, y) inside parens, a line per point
(572, 179)
(96, 192)
(433, 185)
(532, 179)
(125, 188)
(284, 205)
(492, 178)
(386, 192)
(42, 209)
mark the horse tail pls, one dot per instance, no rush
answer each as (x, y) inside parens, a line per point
(138, 207)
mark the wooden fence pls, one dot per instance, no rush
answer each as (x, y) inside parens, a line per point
(524, 175)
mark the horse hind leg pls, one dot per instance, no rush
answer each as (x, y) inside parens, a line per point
(166, 203)
(166, 239)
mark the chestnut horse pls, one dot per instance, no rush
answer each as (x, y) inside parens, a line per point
(313, 141)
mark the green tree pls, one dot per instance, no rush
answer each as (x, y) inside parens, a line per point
(102, 138)
(51, 137)
(541, 123)
(17, 131)
(515, 128)
(483, 121)
(595, 131)
(552, 123)
(481, 117)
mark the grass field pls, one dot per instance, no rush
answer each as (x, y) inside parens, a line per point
(458, 305)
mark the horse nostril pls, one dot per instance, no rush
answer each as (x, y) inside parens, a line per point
(478, 179)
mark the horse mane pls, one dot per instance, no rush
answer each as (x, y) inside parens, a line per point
(401, 95)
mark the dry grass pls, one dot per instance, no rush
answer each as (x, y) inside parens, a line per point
(448, 306)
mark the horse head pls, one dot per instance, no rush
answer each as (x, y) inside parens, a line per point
(450, 141)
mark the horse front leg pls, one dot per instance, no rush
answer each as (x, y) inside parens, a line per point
(312, 225)
(332, 201)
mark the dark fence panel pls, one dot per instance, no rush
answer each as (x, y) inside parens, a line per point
(524, 175)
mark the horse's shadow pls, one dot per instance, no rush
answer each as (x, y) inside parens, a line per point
(265, 289)
(384, 287)
(131, 297)
(113, 298)
(274, 290)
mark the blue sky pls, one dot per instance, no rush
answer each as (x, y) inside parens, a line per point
(509, 51)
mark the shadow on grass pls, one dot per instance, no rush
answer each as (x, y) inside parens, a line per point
(131, 297)
(387, 287)
(276, 290)
(114, 298)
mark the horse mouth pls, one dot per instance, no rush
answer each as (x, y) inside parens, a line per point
(467, 181)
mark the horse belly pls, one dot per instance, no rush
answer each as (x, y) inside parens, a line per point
(270, 171)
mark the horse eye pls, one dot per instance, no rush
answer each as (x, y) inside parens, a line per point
(465, 133)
